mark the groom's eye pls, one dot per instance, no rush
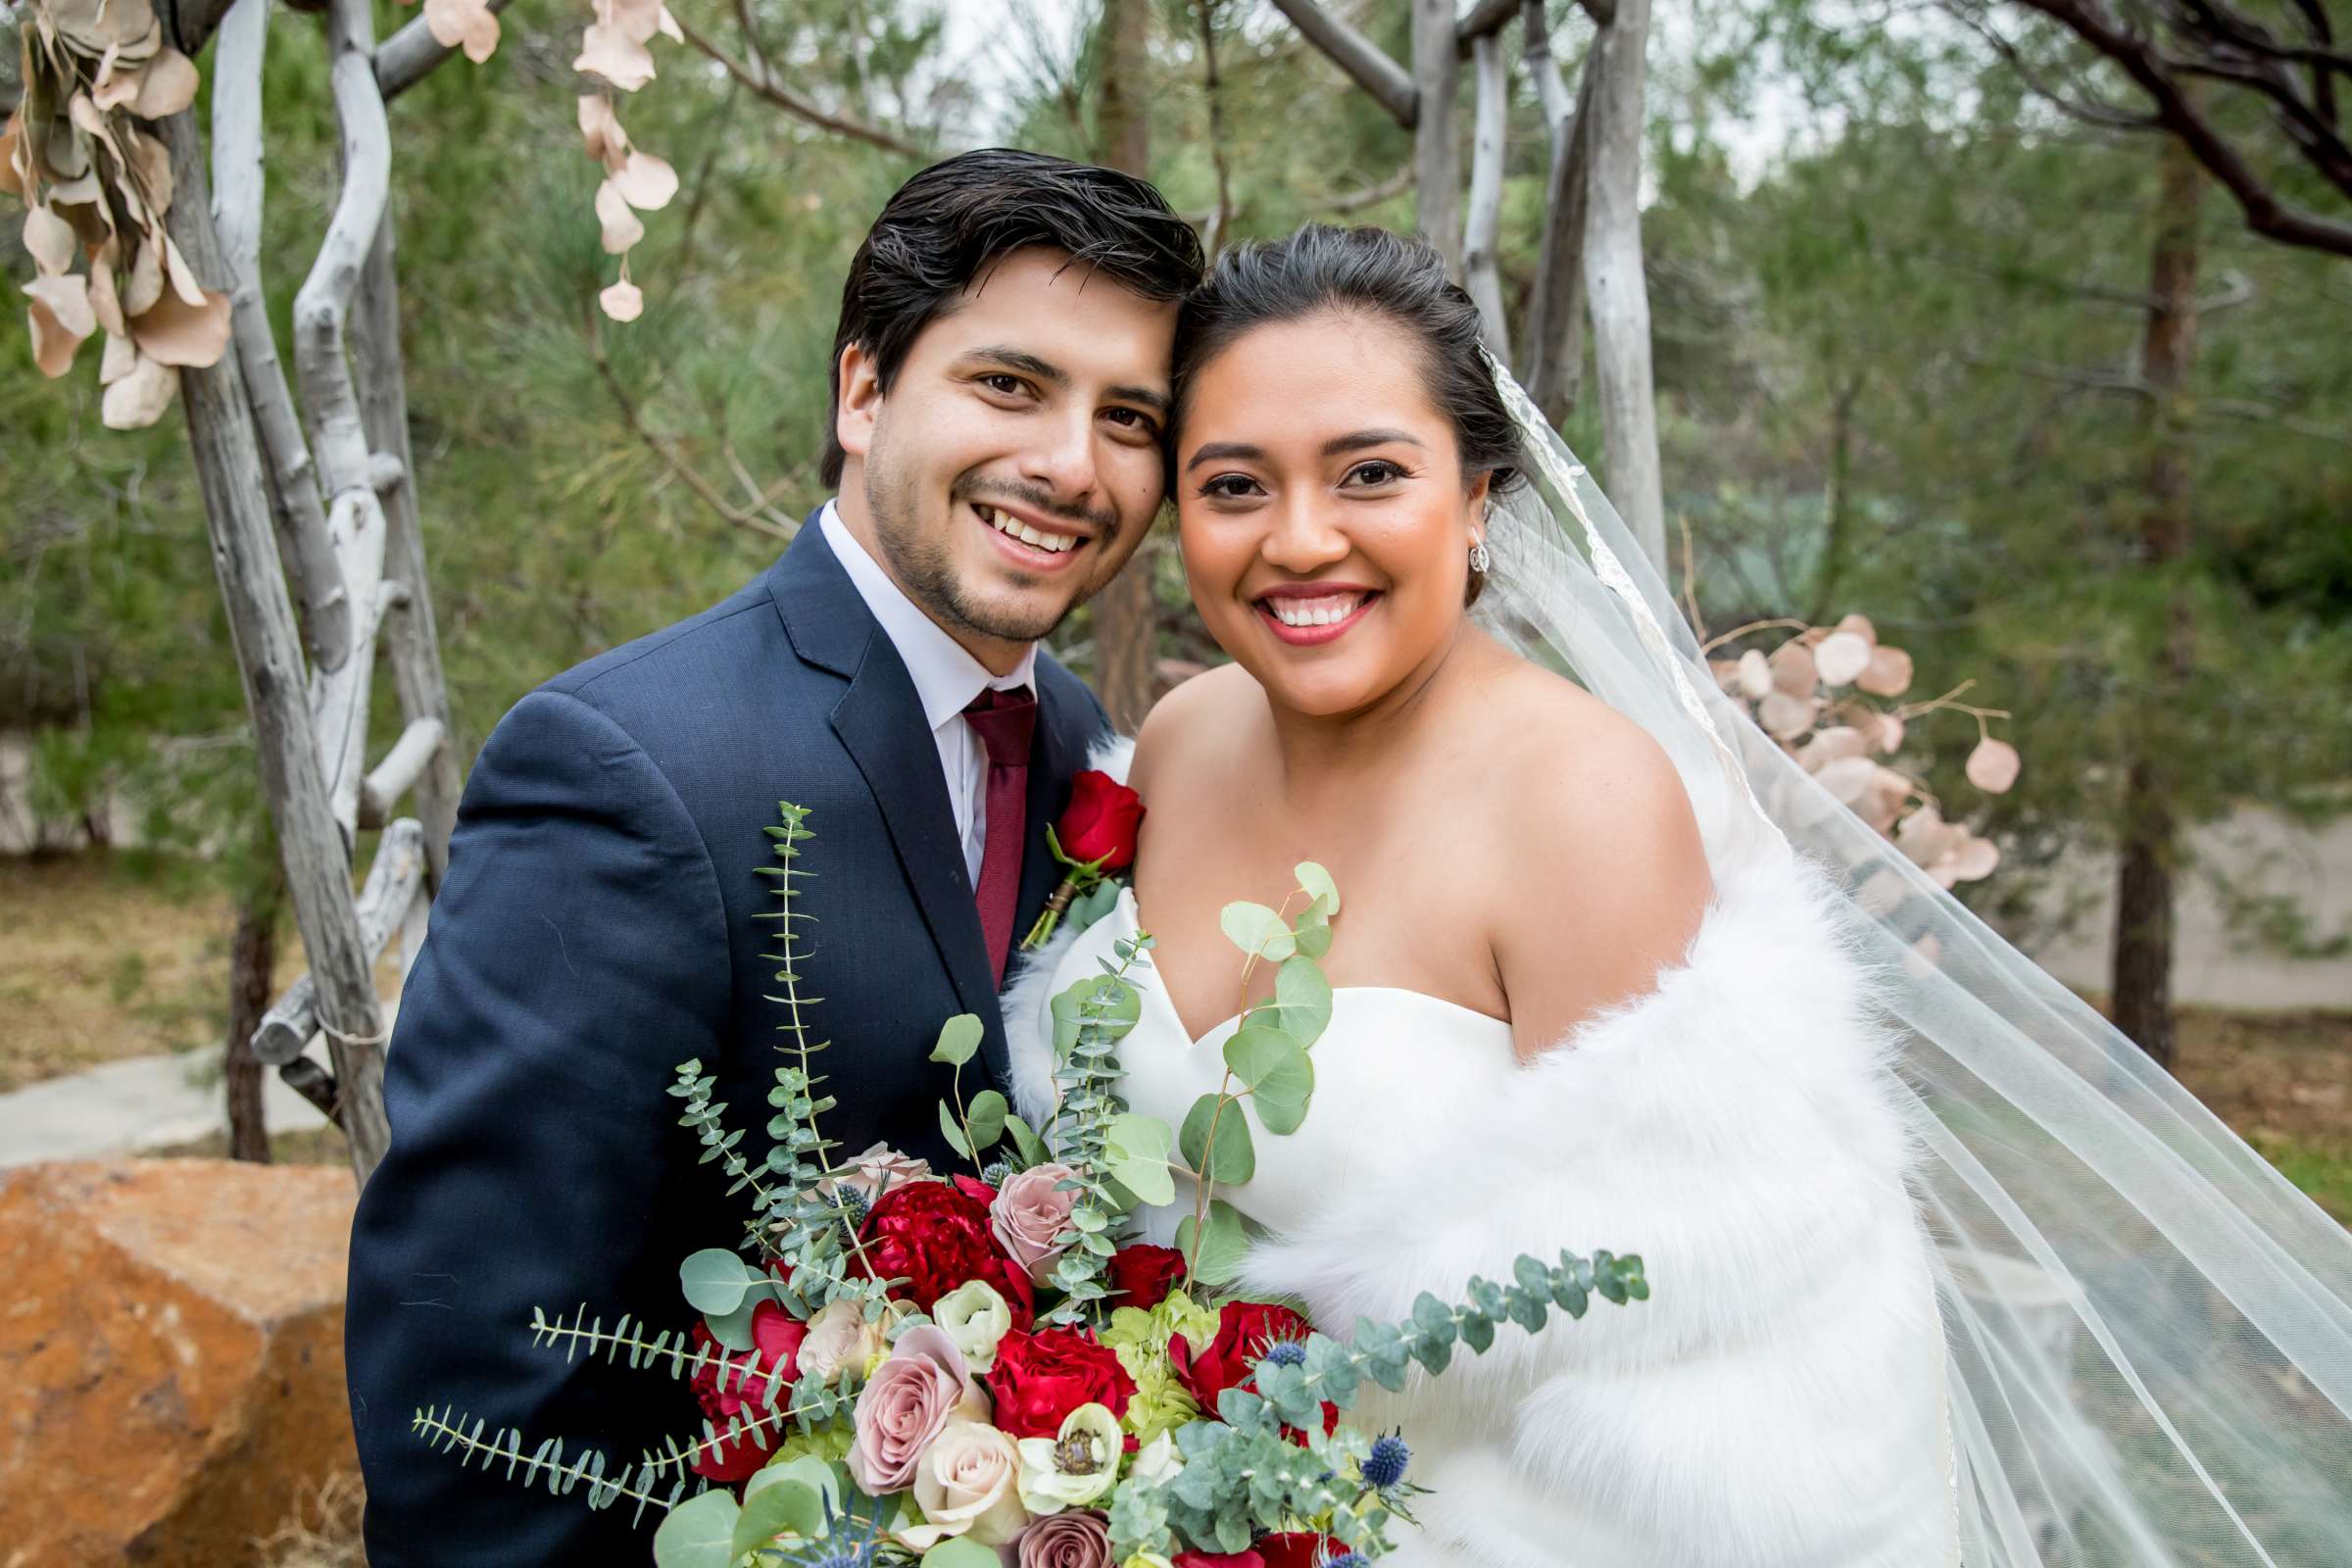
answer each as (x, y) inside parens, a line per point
(1004, 385)
(1134, 421)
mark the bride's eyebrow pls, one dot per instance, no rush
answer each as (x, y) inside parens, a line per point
(1219, 451)
(1355, 441)
(1361, 439)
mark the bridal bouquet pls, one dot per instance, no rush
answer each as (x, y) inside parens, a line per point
(904, 1366)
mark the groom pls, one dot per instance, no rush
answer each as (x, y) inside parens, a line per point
(1001, 382)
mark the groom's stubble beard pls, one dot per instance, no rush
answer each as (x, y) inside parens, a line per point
(924, 562)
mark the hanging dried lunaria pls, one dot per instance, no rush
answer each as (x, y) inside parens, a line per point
(96, 188)
(614, 51)
(1812, 695)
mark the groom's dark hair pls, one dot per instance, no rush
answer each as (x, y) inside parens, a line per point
(951, 223)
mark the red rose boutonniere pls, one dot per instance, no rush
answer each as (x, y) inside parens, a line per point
(1095, 836)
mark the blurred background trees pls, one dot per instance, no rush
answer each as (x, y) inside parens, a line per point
(1938, 335)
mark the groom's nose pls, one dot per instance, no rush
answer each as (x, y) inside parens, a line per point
(1060, 461)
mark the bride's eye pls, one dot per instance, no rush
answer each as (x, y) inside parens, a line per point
(1229, 487)
(1376, 471)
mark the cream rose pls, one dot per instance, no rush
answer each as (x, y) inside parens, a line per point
(840, 1340)
(923, 1385)
(1029, 1213)
(967, 1484)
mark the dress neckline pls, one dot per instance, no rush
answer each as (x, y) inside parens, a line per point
(1128, 908)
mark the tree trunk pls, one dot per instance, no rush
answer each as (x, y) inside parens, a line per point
(2142, 978)
(1437, 155)
(1614, 281)
(260, 624)
(1126, 613)
(251, 957)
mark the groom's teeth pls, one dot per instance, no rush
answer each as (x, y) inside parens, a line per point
(1013, 528)
(1326, 611)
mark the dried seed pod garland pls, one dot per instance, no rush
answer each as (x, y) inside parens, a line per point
(96, 187)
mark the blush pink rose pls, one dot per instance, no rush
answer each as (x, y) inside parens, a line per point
(1080, 1539)
(905, 1405)
(1029, 1213)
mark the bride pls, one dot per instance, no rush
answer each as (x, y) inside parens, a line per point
(1588, 993)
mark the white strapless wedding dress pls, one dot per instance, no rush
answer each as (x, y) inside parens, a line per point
(1778, 1402)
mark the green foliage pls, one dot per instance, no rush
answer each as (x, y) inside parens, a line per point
(1096, 1013)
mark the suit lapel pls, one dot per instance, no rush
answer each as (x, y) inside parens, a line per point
(879, 722)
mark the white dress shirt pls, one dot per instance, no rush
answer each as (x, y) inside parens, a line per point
(946, 679)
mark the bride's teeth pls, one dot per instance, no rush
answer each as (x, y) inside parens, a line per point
(1315, 611)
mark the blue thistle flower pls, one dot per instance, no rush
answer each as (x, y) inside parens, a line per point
(1383, 1466)
(1351, 1560)
(1287, 1352)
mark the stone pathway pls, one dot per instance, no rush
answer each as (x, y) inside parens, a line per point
(126, 1107)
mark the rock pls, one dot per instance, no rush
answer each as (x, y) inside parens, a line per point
(170, 1357)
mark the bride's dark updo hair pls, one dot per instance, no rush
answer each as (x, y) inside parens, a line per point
(1323, 267)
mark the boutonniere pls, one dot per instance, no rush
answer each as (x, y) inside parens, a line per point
(1095, 836)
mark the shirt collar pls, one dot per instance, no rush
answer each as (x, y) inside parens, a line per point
(946, 677)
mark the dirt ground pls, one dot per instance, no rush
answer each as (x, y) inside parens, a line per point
(98, 963)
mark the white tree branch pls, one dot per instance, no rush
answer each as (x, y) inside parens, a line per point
(1482, 269)
(1365, 62)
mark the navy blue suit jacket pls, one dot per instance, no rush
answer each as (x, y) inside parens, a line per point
(598, 926)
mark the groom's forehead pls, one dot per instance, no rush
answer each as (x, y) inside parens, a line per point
(1060, 315)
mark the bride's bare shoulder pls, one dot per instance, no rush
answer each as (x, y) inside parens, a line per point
(1196, 720)
(1589, 809)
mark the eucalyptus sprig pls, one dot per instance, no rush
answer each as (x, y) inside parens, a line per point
(1116, 1158)
(810, 1223)
(1266, 1062)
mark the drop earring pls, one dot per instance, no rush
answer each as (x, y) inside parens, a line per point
(1478, 557)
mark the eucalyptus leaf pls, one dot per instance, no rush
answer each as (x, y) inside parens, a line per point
(1316, 884)
(954, 1134)
(1031, 1148)
(986, 1118)
(958, 1037)
(715, 1280)
(1257, 931)
(826, 1480)
(1304, 998)
(1280, 1078)
(699, 1533)
(1223, 1242)
(1313, 934)
(1234, 1160)
(960, 1552)
(789, 1506)
(1136, 1148)
(733, 1330)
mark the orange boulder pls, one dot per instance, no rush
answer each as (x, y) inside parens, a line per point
(170, 1357)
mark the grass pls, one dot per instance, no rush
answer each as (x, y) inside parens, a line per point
(101, 964)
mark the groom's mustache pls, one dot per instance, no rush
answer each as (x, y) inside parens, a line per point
(1104, 524)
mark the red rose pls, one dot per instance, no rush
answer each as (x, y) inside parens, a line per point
(1040, 1378)
(1244, 1332)
(1296, 1549)
(935, 1236)
(739, 1387)
(1142, 1275)
(1101, 822)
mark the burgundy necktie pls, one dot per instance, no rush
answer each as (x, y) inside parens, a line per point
(1005, 722)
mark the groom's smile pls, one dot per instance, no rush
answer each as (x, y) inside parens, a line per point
(1014, 463)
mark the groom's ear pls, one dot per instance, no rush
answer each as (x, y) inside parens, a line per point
(858, 402)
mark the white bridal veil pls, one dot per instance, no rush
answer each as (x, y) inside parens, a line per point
(2149, 1330)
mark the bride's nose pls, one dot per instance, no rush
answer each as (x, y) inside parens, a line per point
(1302, 536)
